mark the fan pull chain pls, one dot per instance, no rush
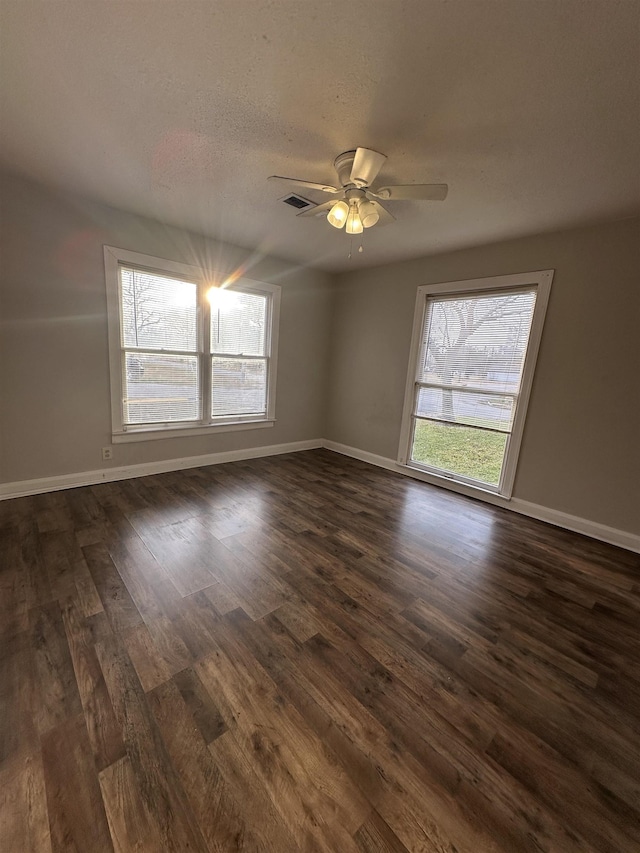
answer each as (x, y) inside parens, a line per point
(360, 249)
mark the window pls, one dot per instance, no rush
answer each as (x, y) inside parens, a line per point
(472, 360)
(186, 356)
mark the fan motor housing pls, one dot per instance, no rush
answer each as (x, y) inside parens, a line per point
(343, 165)
(356, 193)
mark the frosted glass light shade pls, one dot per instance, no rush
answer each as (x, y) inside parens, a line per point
(368, 213)
(354, 223)
(338, 214)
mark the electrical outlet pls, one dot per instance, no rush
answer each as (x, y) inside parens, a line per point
(107, 454)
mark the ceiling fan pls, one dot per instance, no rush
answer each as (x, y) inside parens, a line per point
(357, 205)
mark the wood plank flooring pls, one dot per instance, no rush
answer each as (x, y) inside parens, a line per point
(306, 653)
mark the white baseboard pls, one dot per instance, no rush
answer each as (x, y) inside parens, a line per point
(24, 488)
(363, 455)
(593, 529)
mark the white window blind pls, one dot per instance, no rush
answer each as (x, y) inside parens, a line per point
(473, 350)
(239, 363)
(159, 330)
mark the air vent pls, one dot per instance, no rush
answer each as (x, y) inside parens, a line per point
(297, 201)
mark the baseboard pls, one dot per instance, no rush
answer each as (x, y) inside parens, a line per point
(362, 455)
(593, 529)
(24, 488)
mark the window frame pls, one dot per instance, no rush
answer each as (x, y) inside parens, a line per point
(541, 280)
(121, 432)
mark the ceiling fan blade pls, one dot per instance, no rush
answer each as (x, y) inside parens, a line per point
(366, 165)
(419, 192)
(385, 217)
(325, 207)
(325, 188)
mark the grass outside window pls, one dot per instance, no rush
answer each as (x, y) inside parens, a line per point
(469, 452)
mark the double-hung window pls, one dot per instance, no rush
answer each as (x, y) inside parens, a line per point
(472, 360)
(187, 356)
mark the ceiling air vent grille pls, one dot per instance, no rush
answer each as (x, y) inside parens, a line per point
(297, 201)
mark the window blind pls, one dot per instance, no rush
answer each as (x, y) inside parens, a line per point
(239, 362)
(159, 348)
(473, 351)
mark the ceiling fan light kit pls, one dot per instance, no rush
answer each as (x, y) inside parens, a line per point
(359, 214)
(358, 203)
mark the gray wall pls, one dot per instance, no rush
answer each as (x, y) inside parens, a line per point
(54, 373)
(580, 449)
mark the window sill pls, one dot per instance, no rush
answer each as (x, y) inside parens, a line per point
(455, 485)
(182, 431)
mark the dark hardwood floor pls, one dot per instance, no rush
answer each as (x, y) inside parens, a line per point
(306, 653)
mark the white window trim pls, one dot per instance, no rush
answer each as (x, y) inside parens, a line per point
(121, 433)
(542, 280)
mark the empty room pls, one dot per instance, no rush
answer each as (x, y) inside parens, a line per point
(319, 426)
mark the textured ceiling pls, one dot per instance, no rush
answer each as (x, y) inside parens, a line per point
(530, 111)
